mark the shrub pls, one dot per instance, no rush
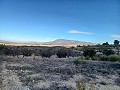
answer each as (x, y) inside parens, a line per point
(110, 58)
(89, 52)
(61, 53)
(117, 81)
(94, 58)
(46, 53)
(78, 60)
(114, 58)
(2, 46)
(87, 58)
(103, 58)
(27, 52)
(80, 85)
(7, 51)
(108, 52)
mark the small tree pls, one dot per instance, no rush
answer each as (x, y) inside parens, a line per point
(70, 52)
(108, 52)
(7, 51)
(105, 43)
(26, 52)
(116, 42)
(89, 52)
(61, 53)
(46, 53)
(2, 46)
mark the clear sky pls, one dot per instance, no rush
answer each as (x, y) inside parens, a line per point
(45, 20)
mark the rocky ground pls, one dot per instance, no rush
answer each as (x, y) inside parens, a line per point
(57, 74)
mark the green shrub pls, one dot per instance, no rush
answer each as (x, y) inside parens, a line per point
(94, 58)
(110, 58)
(61, 53)
(87, 58)
(46, 53)
(89, 52)
(27, 52)
(108, 52)
(103, 58)
(78, 60)
(80, 85)
(114, 58)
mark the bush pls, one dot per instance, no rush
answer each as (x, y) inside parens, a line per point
(27, 52)
(61, 53)
(117, 81)
(77, 61)
(2, 46)
(108, 52)
(89, 52)
(103, 58)
(7, 51)
(114, 58)
(87, 58)
(46, 53)
(110, 58)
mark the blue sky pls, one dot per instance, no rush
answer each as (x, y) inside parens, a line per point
(46, 20)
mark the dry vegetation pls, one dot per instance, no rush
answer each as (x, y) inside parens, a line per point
(59, 68)
(38, 73)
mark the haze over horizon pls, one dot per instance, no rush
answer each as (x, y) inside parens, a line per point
(95, 21)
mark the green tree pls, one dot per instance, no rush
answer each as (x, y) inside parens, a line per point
(61, 53)
(89, 52)
(108, 52)
(2, 46)
(46, 53)
(116, 42)
(7, 51)
(106, 43)
(27, 52)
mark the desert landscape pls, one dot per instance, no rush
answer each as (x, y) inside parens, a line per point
(58, 74)
(59, 44)
(94, 67)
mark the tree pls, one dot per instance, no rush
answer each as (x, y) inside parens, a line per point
(46, 53)
(116, 42)
(61, 53)
(7, 51)
(27, 52)
(2, 46)
(89, 52)
(105, 43)
(70, 52)
(108, 52)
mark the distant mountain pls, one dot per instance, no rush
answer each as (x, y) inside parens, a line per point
(16, 42)
(6, 42)
(68, 42)
(57, 42)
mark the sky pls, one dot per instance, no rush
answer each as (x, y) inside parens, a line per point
(95, 21)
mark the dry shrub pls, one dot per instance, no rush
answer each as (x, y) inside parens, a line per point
(91, 85)
(80, 85)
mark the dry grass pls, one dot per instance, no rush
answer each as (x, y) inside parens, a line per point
(91, 85)
(80, 85)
